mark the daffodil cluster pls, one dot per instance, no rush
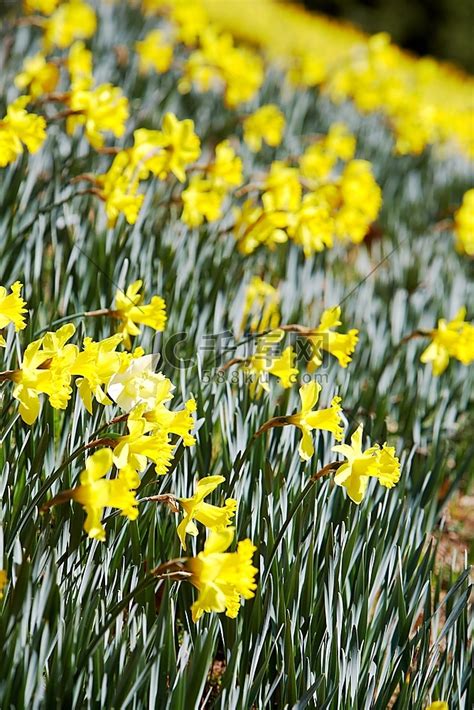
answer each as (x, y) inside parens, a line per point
(214, 62)
(143, 396)
(155, 153)
(320, 201)
(426, 102)
(268, 358)
(51, 362)
(353, 474)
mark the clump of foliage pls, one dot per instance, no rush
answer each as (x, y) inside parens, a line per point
(236, 355)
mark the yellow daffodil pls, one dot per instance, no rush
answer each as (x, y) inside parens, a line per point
(361, 199)
(170, 150)
(341, 345)
(464, 225)
(243, 73)
(72, 20)
(37, 76)
(195, 508)
(221, 577)
(3, 581)
(262, 306)
(306, 420)
(226, 170)
(79, 66)
(201, 201)
(316, 162)
(179, 422)
(130, 309)
(265, 125)
(95, 365)
(282, 188)
(450, 339)
(256, 227)
(378, 462)
(20, 128)
(319, 158)
(340, 141)
(96, 492)
(143, 443)
(100, 110)
(45, 369)
(12, 309)
(312, 226)
(263, 363)
(217, 62)
(118, 188)
(154, 52)
(438, 705)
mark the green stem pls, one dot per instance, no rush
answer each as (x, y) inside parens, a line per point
(73, 316)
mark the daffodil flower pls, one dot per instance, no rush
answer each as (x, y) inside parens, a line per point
(96, 492)
(12, 309)
(95, 365)
(130, 309)
(179, 422)
(262, 305)
(341, 345)
(265, 125)
(100, 110)
(450, 339)
(170, 150)
(209, 515)
(38, 76)
(354, 473)
(264, 363)
(307, 420)
(142, 443)
(226, 169)
(20, 128)
(202, 199)
(221, 577)
(154, 52)
(46, 368)
(72, 20)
